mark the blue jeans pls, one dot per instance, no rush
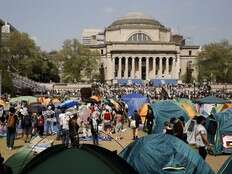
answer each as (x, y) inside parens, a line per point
(10, 137)
(65, 137)
(95, 138)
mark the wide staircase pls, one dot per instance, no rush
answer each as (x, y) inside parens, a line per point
(21, 82)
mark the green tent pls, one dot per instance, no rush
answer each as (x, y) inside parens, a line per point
(226, 167)
(164, 154)
(163, 111)
(211, 100)
(86, 159)
(29, 99)
(224, 128)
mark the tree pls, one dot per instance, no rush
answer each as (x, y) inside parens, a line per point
(78, 61)
(215, 62)
(20, 54)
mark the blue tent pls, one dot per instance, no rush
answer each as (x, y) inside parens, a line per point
(164, 154)
(134, 101)
(224, 128)
(163, 111)
(68, 104)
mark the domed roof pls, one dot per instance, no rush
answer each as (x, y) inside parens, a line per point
(136, 20)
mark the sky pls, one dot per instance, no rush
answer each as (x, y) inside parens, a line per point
(50, 22)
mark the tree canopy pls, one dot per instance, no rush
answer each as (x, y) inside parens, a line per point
(20, 54)
(215, 62)
(79, 62)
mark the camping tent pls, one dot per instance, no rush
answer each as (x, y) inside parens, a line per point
(211, 100)
(85, 159)
(163, 111)
(68, 104)
(226, 167)
(134, 102)
(223, 137)
(160, 152)
(188, 107)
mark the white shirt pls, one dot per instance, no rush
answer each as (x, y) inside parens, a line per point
(64, 121)
(200, 130)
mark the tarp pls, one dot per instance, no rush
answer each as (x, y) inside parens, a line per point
(211, 100)
(224, 120)
(163, 111)
(87, 159)
(134, 102)
(68, 104)
(159, 151)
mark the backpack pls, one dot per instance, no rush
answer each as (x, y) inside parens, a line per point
(11, 121)
(40, 121)
(27, 121)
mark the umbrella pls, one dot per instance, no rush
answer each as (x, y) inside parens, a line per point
(143, 111)
(29, 99)
(36, 108)
(55, 101)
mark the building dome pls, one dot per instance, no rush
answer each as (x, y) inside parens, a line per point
(136, 20)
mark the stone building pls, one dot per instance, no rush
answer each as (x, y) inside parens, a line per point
(137, 48)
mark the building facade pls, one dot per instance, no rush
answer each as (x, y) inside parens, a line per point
(137, 48)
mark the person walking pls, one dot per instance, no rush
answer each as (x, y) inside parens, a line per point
(64, 125)
(73, 131)
(11, 128)
(135, 121)
(201, 137)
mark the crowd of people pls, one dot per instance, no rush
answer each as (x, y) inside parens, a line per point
(101, 119)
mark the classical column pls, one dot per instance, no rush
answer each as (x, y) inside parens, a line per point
(126, 68)
(133, 68)
(154, 67)
(140, 67)
(167, 65)
(147, 68)
(160, 66)
(113, 71)
(119, 67)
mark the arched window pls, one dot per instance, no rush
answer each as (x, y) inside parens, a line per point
(139, 37)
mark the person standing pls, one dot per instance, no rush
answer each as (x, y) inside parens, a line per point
(40, 124)
(64, 125)
(201, 137)
(94, 122)
(11, 128)
(149, 120)
(73, 131)
(27, 124)
(119, 125)
(135, 121)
